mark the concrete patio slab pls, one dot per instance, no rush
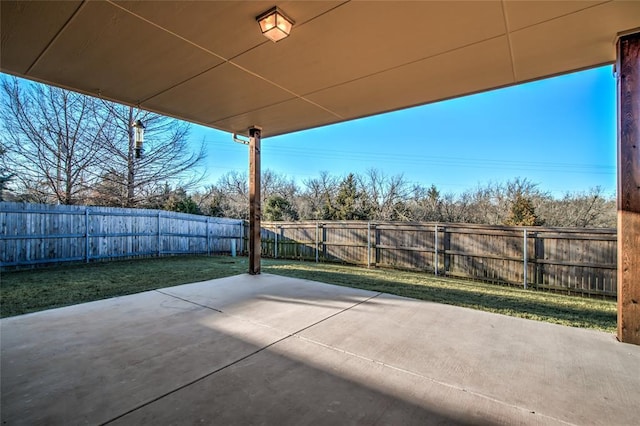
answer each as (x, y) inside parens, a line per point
(285, 385)
(573, 375)
(273, 350)
(83, 363)
(284, 303)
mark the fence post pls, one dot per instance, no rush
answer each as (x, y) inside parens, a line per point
(159, 251)
(446, 251)
(435, 254)
(524, 257)
(376, 242)
(368, 244)
(317, 229)
(208, 240)
(275, 242)
(86, 227)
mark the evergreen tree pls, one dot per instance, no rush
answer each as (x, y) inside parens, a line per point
(522, 213)
(349, 201)
(278, 208)
(179, 201)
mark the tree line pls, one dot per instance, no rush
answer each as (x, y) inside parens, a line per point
(375, 195)
(62, 147)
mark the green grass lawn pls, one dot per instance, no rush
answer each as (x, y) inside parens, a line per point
(35, 290)
(537, 305)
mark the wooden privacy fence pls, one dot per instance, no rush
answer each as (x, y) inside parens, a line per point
(33, 234)
(570, 260)
(566, 259)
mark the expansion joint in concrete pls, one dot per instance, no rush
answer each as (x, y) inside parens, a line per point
(211, 373)
(431, 379)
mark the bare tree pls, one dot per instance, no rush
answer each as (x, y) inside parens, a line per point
(230, 194)
(53, 140)
(110, 189)
(69, 148)
(580, 209)
(166, 158)
(318, 197)
(5, 175)
(386, 195)
(275, 184)
(493, 202)
(425, 204)
(457, 209)
(228, 197)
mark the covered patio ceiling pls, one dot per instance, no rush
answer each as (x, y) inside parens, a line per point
(207, 62)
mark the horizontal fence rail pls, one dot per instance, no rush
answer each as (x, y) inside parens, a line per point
(33, 234)
(572, 260)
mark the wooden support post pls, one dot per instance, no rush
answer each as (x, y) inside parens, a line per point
(254, 200)
(628, 71)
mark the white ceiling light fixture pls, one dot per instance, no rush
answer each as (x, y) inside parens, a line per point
(275, 24)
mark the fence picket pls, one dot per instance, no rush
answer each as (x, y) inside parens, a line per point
(34, 234)
(570, 260)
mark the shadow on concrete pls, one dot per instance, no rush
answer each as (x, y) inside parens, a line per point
(152, 358)
(469, 298)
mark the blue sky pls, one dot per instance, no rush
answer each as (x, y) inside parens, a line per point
(559, 133)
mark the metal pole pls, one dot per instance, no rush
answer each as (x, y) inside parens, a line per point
(435, 255)
(86, 227)
(368, 244)
(524, 257)
(254, 200)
